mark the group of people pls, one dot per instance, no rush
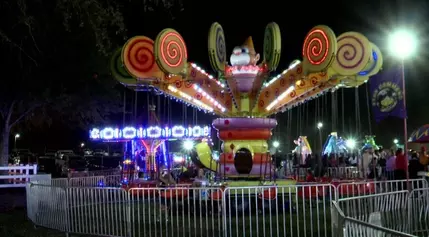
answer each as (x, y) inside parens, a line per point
(372, 164)
(394, 165)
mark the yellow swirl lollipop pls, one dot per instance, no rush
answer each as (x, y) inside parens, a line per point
(354, 52)
(170, 52)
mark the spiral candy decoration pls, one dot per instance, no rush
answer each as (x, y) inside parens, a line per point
(354, 52)
(272, 45)
(375, 62)
(138, 57)
(217, 47)
(118, 71)
(170, 52)
(319, 49)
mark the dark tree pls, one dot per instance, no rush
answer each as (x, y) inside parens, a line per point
(55, 56)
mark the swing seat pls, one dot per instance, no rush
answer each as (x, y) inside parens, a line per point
(172, 193)
(355, 189)
(268, 193)
(217, 195)
(311, 191)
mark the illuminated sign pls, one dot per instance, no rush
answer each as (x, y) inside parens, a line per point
(153, 132)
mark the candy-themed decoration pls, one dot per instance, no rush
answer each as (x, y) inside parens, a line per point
(369, 143)
(320, 46)
(118, 71)
(245, 95)
(170, 52)
(354, 52)
(272, 45)
(375, 62)
(217, 47)
(334, 145)
(138, 58)
(302, 148)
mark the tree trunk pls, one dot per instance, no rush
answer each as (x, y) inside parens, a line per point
(4, 146)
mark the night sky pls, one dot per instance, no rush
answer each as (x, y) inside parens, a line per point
(240, 19)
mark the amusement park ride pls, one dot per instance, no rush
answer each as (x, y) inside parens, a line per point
(242, 94)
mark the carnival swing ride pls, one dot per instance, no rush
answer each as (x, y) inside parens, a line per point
(242, 94)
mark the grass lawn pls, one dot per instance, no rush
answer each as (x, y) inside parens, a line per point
(302, 219)
(15, 224)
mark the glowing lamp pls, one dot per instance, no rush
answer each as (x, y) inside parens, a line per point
(351, 143)
(395, 141)
(402, 43)
(276, 144)
(188, 145)
(319, 125)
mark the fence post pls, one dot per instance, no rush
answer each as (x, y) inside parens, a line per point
(224, 219)
(68, 211)
(27, 173)
(128, 200)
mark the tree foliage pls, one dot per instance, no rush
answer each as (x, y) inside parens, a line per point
(54, 56)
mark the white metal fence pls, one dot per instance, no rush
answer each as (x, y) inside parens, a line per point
(80, 206)
(13, 176)
(78, 174)
(396, 213)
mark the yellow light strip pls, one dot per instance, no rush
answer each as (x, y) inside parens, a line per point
(209, 98)
(279, 98)
(190, 98)
(208, 75)
(292, 66)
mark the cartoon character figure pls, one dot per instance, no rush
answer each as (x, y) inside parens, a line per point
(370, 143)
(245, 55)
(302, 148)
(330, 146)
(341, 145)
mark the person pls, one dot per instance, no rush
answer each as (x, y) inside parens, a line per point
(401, 165)
(390, 165)
(372, 169)
(382, 164)
(310, 177)
(424, 158)
(414, 166)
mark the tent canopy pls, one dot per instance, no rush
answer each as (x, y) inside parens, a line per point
(420, 135)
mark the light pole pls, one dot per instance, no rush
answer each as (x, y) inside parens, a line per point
(16, 138)
(403, 44)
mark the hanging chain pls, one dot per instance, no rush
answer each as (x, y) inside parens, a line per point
(322, 108)
(357, 110)
(368, 109)
(342, 110)
(147, 106)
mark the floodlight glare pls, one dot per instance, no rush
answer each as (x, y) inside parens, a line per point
(402, 44)
(188, 145)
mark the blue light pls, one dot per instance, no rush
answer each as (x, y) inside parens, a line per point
(100, 183)
(366, 72)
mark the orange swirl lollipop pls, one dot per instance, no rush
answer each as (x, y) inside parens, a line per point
(319, 49)
(138, 57)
